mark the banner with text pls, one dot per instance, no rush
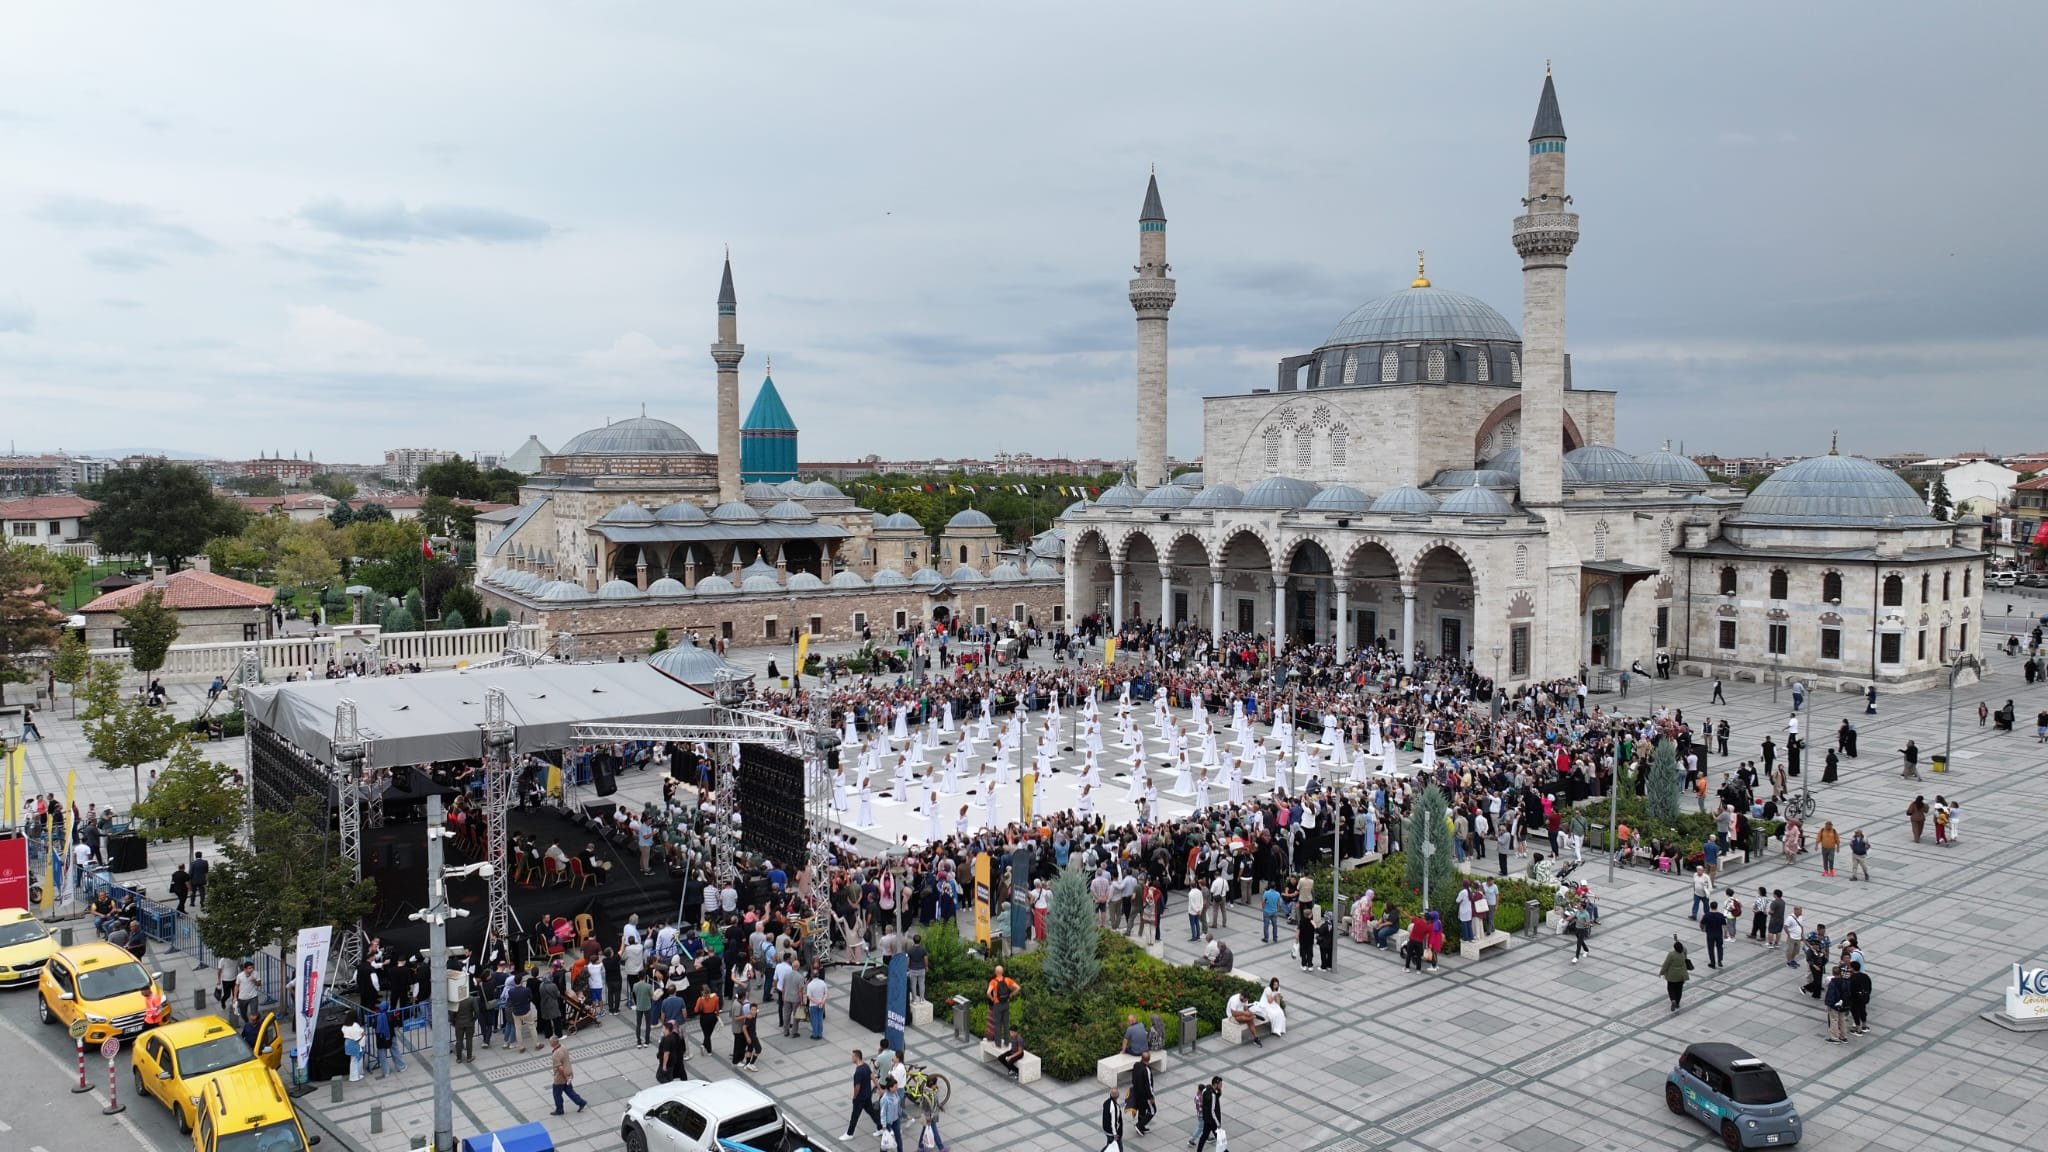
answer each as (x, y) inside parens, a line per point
(310, 968)
(983, 893)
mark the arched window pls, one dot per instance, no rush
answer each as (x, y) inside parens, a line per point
(1304, 450)
(1894, 591)
(1831, 587)
(1781, 584)
(1944, 585)
(1436, 364)
(1515, 367)
(1521, 561)
(1728, 580)
(963, 553)
(1390, 366)
(1483, 371)
(1340, 446)
(1272, 449)
(1967, 573)
(1926, 587)
(1600, 540)
(1351, 368)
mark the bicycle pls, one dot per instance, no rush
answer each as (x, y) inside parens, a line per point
(927, 1090)
(1801, 807)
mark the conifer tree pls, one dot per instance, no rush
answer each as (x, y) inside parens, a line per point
(1070, 936)
(1429, 823)
(1662, 792)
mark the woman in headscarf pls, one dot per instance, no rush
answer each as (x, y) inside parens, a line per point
(1677, 968)
(1361, 917)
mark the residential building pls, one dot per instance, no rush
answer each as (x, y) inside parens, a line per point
(212, 609)
(45, 521)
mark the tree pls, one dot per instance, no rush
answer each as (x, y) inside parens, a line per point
(660, 641)
(152, 628)
(1662, 791)
(305, 564)
(166, 510)
(415, 607)
(435, 584)
(193, 797)
(288, 875)
(334, 484)
(399, 620)
(501, 617)
(1430, 823)
(120, 730)
(1071, 936)
(463, 601)
(71, 664)
(256, 485)
(1937, 497)
(341, 515)
(450, 621)
(373, 513)
(28, 619)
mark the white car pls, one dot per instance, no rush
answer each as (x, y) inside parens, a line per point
(708, 1116)
(2003, 579)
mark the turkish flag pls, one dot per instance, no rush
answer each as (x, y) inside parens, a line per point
(427, 548)
(2041, 534)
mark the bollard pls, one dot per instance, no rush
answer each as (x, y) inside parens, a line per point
(1532, 917)
(64, 938)
(376, 1119)
(334, 1089)
(199, 1000)
(81, 1086)
(960, 1031)
(168, 981)
(1189, 1031)
(114, 1105)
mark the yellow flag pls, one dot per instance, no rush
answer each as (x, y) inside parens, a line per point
(1109, 652)
(983, 896)
(803, 651)
(1029, 782)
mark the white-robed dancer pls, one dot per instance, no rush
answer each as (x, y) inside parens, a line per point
(1184, 777)
(934, 820)
(1084, 804)
(899, 728)
(864, 815)
(1233, 780)
(1151, 802)
(848, 734)
(1202, 792)
(1091, 771)
(950, 782)
(946, 717)
(1136, 792)
(1260, 775)
(1428, 748)
(839, 790)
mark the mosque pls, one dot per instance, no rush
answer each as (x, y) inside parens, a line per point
(1430, 481)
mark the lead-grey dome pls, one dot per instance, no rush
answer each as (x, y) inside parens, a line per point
(715, 585)
(1476, 501)
(628, 513)
(1423, 314)
(1404, 501)
(1217, 496)
(927, 578)
(1188, 479)
(1168, 496)
(1119, 495)
(820, 490)
(761, 491)
(1509, 462)
(1835, 490)
(618, 590)
(1279, 492)
(1671, 468)
(1005, 573)
(1075, 509)
(1340, 498)
(789, 511)
(848, 579)
(1601, 464)
(969, 518)
(804, 582)
(640, 436)
(560, 592)
(896, 521)
(965, 575)
(735, 512)
(887, 578)
(692, 665)
(1467, 477)
(681, 512)
(667, 586)
(1042, 570)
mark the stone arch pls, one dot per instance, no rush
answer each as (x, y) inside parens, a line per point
(1245, 549)
(1512, 406)
(1363, 549)
(1413, 570)
(1177, 555)
(1137, 547)
(1663, 591)
(1296, 557)
(1078, 550)
(1521, 607)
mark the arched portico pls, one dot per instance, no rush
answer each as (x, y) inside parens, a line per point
(1439, 601)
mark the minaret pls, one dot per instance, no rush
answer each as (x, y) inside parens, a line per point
(1544, 235)
(727, 354)
(1152, 297)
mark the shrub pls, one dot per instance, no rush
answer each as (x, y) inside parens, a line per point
(1070, 945)
(1662, 790)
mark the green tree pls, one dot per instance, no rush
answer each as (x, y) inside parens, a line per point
(305, 564)
(399, 620)
(288, 875)
(72, 662)
(463, 601)
(501, 617)
(660, 641)
(120, 730)
(341, 515)
(452, 621)
(1071, 936)
(256, 485)
(334, 484)
(193, 797)
(373, 513)
(415, 607)
(152, 628)
(1661, 791)
(1937, 498)
(443, 516)
(28, 618)
(1430, 823)
(166, 510)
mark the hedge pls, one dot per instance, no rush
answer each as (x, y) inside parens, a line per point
(1387, 878)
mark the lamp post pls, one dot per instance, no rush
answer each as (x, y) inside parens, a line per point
(1613, 815)
(1955, 669)
(436, 915)
(1496, 689)
(1777, 659)
(1428, 850)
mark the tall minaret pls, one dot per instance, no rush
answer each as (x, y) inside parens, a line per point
(1152, 296)
(727, 354)
(1545, 234)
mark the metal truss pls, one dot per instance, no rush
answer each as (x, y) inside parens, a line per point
(498, 778)
(350, 751)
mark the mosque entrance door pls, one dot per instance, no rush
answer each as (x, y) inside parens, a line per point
(1368, 629)
(1452, 633)
(1180, 608)
(1245, 616)
(1603, 623)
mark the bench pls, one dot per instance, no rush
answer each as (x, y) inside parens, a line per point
(1474, 950)
(1027, 1067)
(1362, 861)
(920, 1012)
(1232, 1032)
(1115, 1071)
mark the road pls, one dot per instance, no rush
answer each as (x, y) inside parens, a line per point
(44, 1115)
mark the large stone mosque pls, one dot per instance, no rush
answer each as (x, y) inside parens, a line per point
(1429, 481)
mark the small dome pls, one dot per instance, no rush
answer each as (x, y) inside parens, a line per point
(1075, 509)
(760, 492)
(1188, 479)
(1833, 490)
(969, 518)
(898, 522)
(522, 581)
(681, 512)
(884, 578)
(627, 513)
(848, 579)
(820, 490)
(618, 590)
(667, 586)
(714, 586)
(1217, 496)
(692, 665)
(1167, 496)
(1005, 573)
(1476, 501)
(804, 582)
(1041, 570)
(1279, 492)
(735, 512)
(1119, 495)
(1671, 468)
(1509, 462)
(965, 575)
(1600, 464)
(1340, 498)
(1405, 501)
(640, 436)
(790, 487)
(560, 592)
(1467, 477)
(927, 578)
(1423, 313)
(789, 511)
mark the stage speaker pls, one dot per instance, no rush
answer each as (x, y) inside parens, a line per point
(601, 813)
(127, 852)
(330, 1054)
(682, 765)
(605, 776)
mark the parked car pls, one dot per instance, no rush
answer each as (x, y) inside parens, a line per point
(99, 984)
(25, 946)
(1736, 1094)
(2002, 579)
(175, 1062)
(708, 1116)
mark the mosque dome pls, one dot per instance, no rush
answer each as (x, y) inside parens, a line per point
(1405, 501)
(667, 586)
(640, 436)
(627, 513)
(1217, 496)
(522, 581)
(1423, 313)
(714, 585)
(898, 521)
(1168, 496)
(735, 512)
(1340, 498)
(965, 575)
(1835, 490)
(1509, 462)
(1476, 501)
(681, 512)
(1467, 477)
(789, 511)
(1119, 495)
(1075, 509)
(927, 578)
(820, 490)
(790, 487)
(1671, 468)
(884, 578)
(1041, 570)
(618, 590)
(804, 582)
(692, 664)
(1279, 492)
(848, 580)
(1005, 573)
(560, 592)
(761, 491)
(1188, 479)
(1600, 464)
(969, 518)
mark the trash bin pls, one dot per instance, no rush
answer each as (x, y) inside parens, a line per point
(1596, 836)
(1188, 1030)
(1939, 762)
(960, 1029)
(1532, 917)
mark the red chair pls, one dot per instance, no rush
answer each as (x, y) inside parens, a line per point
(581, 878)
(551, 871)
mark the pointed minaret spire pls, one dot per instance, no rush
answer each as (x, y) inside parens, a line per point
(1152, 210)
(727, 352)
(1549, 121)
(1834, 442)
(727, 302)
(1152, 295)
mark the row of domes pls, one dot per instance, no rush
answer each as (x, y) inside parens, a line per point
(758, 577)
(1475, 499)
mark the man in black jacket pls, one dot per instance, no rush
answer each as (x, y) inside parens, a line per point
(1112, 1123)
(1141, 1099)
(1209, 1110)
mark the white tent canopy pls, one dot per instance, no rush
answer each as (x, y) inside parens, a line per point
(434, 716)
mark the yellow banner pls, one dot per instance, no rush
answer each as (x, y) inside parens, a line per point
(1028, 785)
(1109, 652)
(803, 651)
(17, 763)
(983, 895)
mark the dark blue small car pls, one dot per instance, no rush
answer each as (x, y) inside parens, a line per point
(1734, 1093)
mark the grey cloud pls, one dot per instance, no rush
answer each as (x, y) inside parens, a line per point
(16, 317)
(92, 214)
(393, 222)
(124, 259)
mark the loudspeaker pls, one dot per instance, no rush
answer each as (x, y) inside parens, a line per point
(682, 765)
(605, 776)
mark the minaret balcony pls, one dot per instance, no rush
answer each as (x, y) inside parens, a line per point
(1152, 296)
(1546, 234)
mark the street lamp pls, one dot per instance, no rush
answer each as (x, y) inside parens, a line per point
(436, 915)
(1496, 688)
(1955, 669)
(1428, 850)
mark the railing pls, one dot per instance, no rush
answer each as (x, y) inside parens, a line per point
(200, 663)
(446, 649)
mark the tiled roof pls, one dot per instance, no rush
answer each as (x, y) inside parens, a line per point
(47, 508)
(2037, 484)
(189, 590)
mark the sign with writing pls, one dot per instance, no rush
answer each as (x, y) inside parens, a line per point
(111, 1048)
(14, 885)
(983, 894)
(2027, 998)
(78, 1029)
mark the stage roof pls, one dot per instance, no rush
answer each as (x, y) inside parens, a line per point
(432, 716)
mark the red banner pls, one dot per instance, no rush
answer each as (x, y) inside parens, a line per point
(14, 873)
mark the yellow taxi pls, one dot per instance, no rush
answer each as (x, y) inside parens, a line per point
(245, 1109)
(175, 1062)
(25, 945)
(100, 984)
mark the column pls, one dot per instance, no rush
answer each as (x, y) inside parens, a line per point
(1279, 607)
(1165, 596)
(1116, 596)
(1343, 633)
(1322, 598)
(1215, 603)
(1408, 627)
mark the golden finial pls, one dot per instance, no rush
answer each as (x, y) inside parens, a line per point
(1833, 438)
(1546, 68)
(1421, 278)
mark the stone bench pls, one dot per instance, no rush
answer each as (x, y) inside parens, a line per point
(1233, 1032)
(1474, 950)
(920, 1012)
(1362, 861)
(1027, 1067)
(1115, 1071)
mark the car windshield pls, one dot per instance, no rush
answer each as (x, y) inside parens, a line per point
(114, 980)
(213, 1055)
(282, 1136)
(1758, 1086)
(21, 932)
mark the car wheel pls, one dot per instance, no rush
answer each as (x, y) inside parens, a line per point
(140, 1091)
(1731, 1137)
(636, 1140)
(43, 1011)
(184, 1121)
(1674, 1099)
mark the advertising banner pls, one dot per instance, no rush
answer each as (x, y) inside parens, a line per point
(983, 893)
(14, 872)
(310, 968)
(2027, 997)
(899, 1001)
(1020, 898)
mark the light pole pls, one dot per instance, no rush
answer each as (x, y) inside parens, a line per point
(436, 916)
(1496, 689)
(1428, 850)
(1955, 669)
(1613, 815)
(1777, 658)
(1336, 867)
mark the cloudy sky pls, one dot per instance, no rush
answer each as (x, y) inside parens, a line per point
(342, 229)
